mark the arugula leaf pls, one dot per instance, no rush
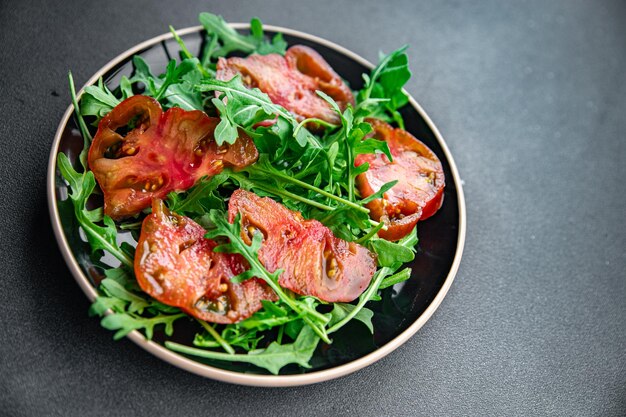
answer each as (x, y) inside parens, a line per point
(379, 194)
(270, 316)
(341, 311)
(198, 200)
(176, 86)
(244, 102)
(273, 358)
(230, 40)
(184, 94)
(389, 253)
(142, 74)
(126, 323)
(98, 101)
(394, 279)
(383, 91)
(226, 130)
(128, 305)
(174, 73)
(126, 87)
(81, 124)
(99, 237)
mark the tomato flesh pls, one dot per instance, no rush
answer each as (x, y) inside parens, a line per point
(176, 265)
(162, 152)
(292, 81)
(313, 260)
(419, 191)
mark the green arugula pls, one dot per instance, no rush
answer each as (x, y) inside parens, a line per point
(229, 40)
(130, 309)
(273, 358)
(248, 106)
(99, 237)
(97, 100)
(383, 93)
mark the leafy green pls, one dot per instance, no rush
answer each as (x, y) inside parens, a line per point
(99, 237)
(249, 106)
(390, 253)
(98, 100)
(199, 199)
(81, 123)
(383, 92)
(341, 311)
(272, 358)
(176, 86)
(394, 279)
(174, 74)
(229, 40)
(130, 308)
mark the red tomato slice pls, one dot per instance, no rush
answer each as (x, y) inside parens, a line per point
(313, 260)
(291, 81)
(176, 265)
(419, 192)
(162, 152)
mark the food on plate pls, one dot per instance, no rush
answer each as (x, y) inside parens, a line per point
(292, 81)
(282, 203)
(140, 153)
(313, 260)
(419, 192)
(176, 264)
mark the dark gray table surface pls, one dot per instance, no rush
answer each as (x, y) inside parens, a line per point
(531, 99)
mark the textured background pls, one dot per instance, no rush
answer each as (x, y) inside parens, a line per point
(531, 98)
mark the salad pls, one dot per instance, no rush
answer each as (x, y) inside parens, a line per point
(268, 202)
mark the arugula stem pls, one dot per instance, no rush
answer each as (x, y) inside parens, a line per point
(371, 233)
(363, 299)
(312, 119)
(81, 123)
(281, 330)
(282, 193)
(118, 253)
(228, 348)
(310, 187)
(209, 354)
(208, 51)
(350, 165)
(131, 226)
(186, 52)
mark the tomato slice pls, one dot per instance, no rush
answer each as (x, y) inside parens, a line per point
(419, 191)
(313, 260)
(291, 81)
(176, 265)
(161, 152)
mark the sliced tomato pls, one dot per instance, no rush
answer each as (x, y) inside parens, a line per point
(176, 265)
(419, 191)
(159, 153)
(291, 81)
(313, 260)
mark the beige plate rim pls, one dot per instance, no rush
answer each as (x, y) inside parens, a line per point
(229, 376)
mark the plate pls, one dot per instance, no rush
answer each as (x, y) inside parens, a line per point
(403, 311)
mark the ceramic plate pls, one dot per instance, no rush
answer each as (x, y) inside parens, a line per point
(404, 309)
